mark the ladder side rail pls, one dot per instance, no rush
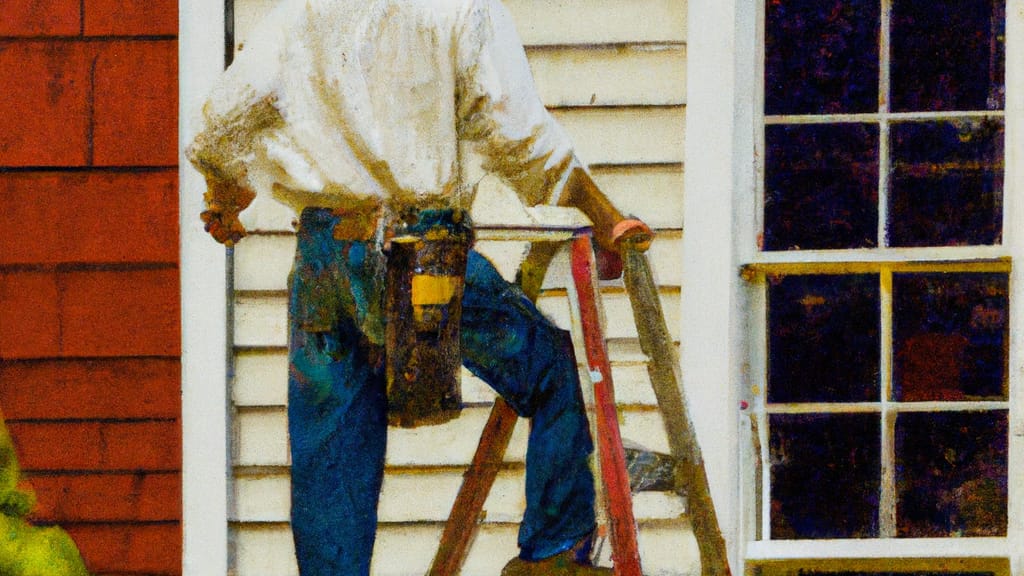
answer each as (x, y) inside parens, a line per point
(665, 374)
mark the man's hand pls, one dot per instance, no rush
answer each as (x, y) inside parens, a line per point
(632, 233)
(612, 230)
(627, 234)
(225, 227)
(224, 202)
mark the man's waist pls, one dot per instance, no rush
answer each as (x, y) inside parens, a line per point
(373, 218)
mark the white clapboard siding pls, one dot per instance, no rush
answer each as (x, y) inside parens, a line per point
(266, 498)
(261, 380)
(625, 135)
(609, 76)
(555, 22)
(263, 433)
(614, 74)
(666, 549)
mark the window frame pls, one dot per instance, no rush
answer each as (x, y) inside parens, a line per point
(724, 167)
(883, 260)
(204, 311)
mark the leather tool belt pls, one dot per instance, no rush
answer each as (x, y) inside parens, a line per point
(426, 267)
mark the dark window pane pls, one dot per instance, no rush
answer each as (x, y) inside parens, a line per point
(950, 335)
(825, 475)
(821, 186)
(821, 56)
(823, 338)
(951, 474)
(948, 55)
(947, 183)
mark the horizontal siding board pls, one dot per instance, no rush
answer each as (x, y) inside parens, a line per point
(262, 438)
(261, 320)
(618, 312)
(263, 435)
(542, 22)
(653, 193)
(265, 498)
(264, 550)
(667, 549)
(261, 379)
(626, 135)
(418, 496)
(610, 76)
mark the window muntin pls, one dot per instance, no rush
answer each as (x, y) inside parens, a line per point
(907, 186)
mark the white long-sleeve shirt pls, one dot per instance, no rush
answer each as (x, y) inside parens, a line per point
(335, 101)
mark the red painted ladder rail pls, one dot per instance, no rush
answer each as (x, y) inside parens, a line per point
(463, 521)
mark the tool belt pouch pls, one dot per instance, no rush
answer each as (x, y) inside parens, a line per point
(426, 268)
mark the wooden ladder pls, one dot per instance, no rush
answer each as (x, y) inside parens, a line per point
(547, 238)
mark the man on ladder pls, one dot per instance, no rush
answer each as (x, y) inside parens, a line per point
(352, 112)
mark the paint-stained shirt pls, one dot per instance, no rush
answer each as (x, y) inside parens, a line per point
(336, 101)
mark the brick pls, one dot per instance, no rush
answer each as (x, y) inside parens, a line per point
(88, 217)
(139, 497)
(40, 18)
(118, 388)
(29, 322)
(131, 17)
(45, 103)
(136, 104)
(97, 446)
(151, 549)
(120, 313)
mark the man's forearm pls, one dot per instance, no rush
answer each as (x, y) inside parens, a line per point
(582, 192)
(610, 227)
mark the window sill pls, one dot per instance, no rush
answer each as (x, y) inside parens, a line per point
(879, 548)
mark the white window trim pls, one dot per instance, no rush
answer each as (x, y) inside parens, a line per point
(204, 313)
(720, 223)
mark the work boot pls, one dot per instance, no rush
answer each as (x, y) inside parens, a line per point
(564, 564)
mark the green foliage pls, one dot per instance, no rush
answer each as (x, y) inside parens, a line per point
(27, 550)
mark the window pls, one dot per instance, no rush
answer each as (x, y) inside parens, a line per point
(882, 414)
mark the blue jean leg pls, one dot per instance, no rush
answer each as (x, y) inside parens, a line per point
(337, 407)
(530, 362)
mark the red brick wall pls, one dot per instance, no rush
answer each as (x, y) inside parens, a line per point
(89, 298)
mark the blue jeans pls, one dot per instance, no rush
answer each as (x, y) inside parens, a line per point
(337, 417)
